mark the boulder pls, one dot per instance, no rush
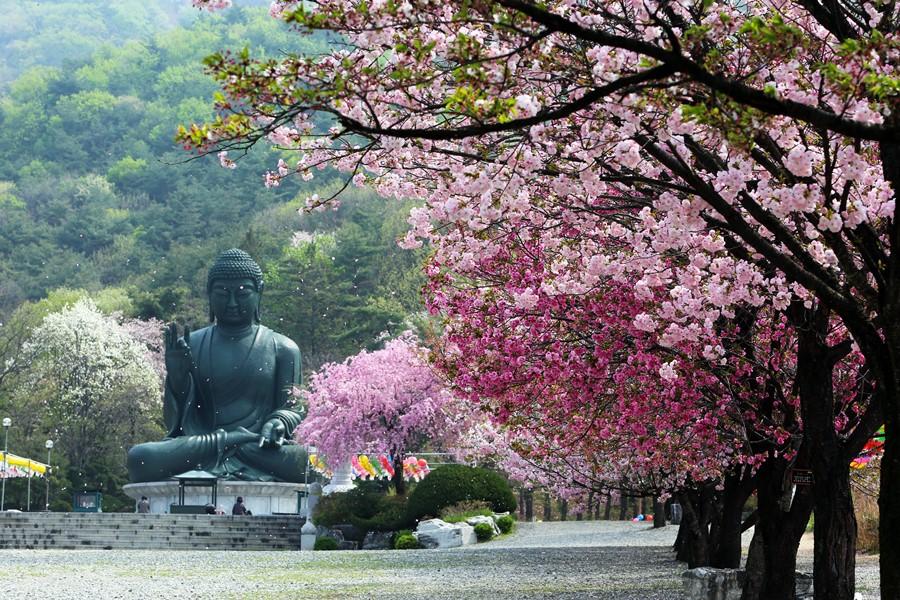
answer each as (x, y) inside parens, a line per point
(473, 521)
(378, 540)
(335, 534)
(435, 533)
(706, 583)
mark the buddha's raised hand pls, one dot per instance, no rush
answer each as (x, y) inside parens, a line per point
(179, 360)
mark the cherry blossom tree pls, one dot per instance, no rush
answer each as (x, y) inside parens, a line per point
(756, 143)
(385, 401)
(95, 382)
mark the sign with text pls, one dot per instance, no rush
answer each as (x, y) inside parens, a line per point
(801, 477)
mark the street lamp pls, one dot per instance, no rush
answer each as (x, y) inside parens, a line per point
(49, 446)
(6, 423)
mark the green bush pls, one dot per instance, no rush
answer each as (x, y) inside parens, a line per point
(390, 515)
(367, 507)
(505, 524)
(407, 541)
(484, 532)
(325, 543)
(457, 483)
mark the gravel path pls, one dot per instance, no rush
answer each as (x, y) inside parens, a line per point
(604, 560)
(569, 534)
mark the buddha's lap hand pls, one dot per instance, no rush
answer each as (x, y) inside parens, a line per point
(272, 433)
(240, 436)
(179, 360)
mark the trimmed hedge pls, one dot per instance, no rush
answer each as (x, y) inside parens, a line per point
(505, 524)
(325, 543)
(407, 541)
(366, 507)
(457, 483)
(484, 532)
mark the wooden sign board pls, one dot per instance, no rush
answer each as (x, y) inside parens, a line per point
(801, 477)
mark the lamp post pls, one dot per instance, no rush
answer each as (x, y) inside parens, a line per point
(308, 531)
(49, 446)
(6, 423)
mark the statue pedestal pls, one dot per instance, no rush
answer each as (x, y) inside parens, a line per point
(260, 498)
(341, 480)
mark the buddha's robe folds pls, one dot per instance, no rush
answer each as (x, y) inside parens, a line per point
(241, 382)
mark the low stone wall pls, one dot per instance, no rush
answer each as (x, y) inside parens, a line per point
(707, 583)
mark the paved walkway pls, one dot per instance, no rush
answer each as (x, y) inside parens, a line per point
(580, 534)
(604, 560)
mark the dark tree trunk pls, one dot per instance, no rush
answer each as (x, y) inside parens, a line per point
(781, 524)
(397, 480)
(521, 503)
(623, 507)
(738, 486)
(889, 495)
(590, 505)
(529, 505)
(889, 509)
(548, 507)
(642, 508)
(659, 513)
(607, 510)
(755, 568)
(834, 569)
(697, 509)
(563, 509)
(681, 546)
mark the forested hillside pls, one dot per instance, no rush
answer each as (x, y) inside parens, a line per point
(97, 201)
(94, 193)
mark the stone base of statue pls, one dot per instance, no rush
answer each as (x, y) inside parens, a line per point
(341, 481)
(260, 498)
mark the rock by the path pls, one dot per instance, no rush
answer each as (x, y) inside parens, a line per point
(335, 534)
(435, 533)
(378, 540)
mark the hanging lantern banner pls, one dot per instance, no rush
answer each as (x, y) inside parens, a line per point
(872, 449)
(363, 466)
(19, 466)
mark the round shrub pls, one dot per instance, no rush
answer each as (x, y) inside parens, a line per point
(484, 532)
(367, 507)
(407, 541)
(457, 483)
(325, 543)
(505, 524)
(389, 515)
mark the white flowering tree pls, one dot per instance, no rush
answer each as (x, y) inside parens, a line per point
(96, 385)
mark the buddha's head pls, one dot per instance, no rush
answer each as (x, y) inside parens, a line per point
(234, 286)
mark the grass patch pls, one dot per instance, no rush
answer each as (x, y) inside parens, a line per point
(459, 512)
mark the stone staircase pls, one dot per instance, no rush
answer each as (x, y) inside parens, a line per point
(70, 531)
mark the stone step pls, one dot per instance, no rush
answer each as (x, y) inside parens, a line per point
(162, 536)
(124, 530)
(117, 545)
(231, 532)
(231, 535)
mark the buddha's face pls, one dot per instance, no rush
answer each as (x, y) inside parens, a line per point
(234, 301)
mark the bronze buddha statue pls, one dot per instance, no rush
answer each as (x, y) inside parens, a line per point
(227, 405)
